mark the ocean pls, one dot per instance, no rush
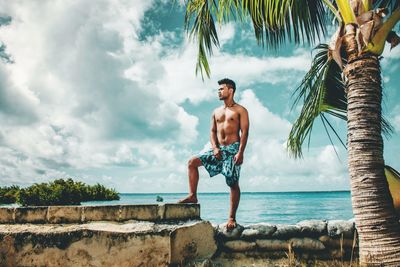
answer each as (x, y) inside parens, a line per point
(275, 208)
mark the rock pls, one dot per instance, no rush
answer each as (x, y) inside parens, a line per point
(337, 228)
(261, 230)
(313, 227)
(336, 242)
(267, 244)
(229, 235)
(284, 231)
(240, 246)
(306, 244)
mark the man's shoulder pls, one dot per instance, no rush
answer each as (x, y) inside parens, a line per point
(241, 108)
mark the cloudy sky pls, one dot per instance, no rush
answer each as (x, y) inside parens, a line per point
(105, 91)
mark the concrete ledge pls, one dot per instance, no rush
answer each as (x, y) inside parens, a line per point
(100, 213)
(106, 244)
(61, 214)
(181, 211)
(31, 215)
(139, 212)
(117, 213)
(7, 215)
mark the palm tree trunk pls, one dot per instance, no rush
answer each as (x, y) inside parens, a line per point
(377, 222)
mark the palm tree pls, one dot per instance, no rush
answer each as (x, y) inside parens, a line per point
(344, 81)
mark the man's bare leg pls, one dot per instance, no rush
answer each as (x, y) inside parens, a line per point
(193, 172)
(235, 198)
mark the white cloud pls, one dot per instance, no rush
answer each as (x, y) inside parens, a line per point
(86, 97)
(268, 166)
(85, 84)
(264, 122)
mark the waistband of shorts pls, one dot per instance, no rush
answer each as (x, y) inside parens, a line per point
(233, 144)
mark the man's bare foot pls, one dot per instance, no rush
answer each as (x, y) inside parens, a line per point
(189, 199)
(231, 224)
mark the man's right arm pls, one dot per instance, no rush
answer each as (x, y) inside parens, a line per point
(214, 138)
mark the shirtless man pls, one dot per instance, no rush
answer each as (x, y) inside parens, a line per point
(229, 132)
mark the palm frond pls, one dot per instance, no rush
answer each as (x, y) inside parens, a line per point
(274, 22)
(321, 90)
(203, 30)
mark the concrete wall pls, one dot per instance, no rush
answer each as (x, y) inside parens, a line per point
(307, 240)
(160, 235)
(82, 214)
(119, 235)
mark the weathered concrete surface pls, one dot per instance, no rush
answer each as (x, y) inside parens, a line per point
(146, 212)
(67, 214)
(7, 215)
(105, 244)
(180, 211)
(100, 213)
(82, 214)
(31, 215)
(192, 241)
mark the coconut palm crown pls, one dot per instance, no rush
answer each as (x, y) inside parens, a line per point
(344, 81)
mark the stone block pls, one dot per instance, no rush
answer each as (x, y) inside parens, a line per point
(313, 227)
(7, 215)
(306, 244)
(240, 245)
(272, 244)
(179, 211)
(64, 214)
(337, 228)
(336, 242)
(260, 230)
(31, 215)
(284, 231)
(101, 213)
(139, 212)
(191, 241)
(223, 233)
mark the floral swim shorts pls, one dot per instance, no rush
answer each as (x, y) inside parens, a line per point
(226, 166)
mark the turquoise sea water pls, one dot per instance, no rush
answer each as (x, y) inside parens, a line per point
(282, 207)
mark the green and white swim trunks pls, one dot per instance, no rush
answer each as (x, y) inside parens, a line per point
(226, 166)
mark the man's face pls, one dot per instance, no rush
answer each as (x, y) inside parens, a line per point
(223, 92)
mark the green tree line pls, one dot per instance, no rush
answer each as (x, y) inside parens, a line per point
(57, 192)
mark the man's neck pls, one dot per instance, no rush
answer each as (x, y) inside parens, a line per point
(229, 103)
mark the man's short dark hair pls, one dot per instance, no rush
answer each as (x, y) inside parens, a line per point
(229, 83)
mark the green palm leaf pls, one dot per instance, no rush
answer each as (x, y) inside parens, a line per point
(203, 29)
(274, 21)
(322, 90)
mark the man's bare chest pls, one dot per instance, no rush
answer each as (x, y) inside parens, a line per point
(226, 116)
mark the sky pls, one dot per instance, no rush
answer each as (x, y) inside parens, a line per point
(106, 92)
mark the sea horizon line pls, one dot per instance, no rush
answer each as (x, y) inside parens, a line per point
(243, 192)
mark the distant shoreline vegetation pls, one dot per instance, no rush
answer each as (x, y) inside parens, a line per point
(57, 192)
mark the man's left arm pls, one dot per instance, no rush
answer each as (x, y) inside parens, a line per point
(244, 129)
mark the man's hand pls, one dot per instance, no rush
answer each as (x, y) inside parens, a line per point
(217, 153)
(238, 158)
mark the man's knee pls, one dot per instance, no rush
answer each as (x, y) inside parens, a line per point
(194, 162)
(235, 186)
